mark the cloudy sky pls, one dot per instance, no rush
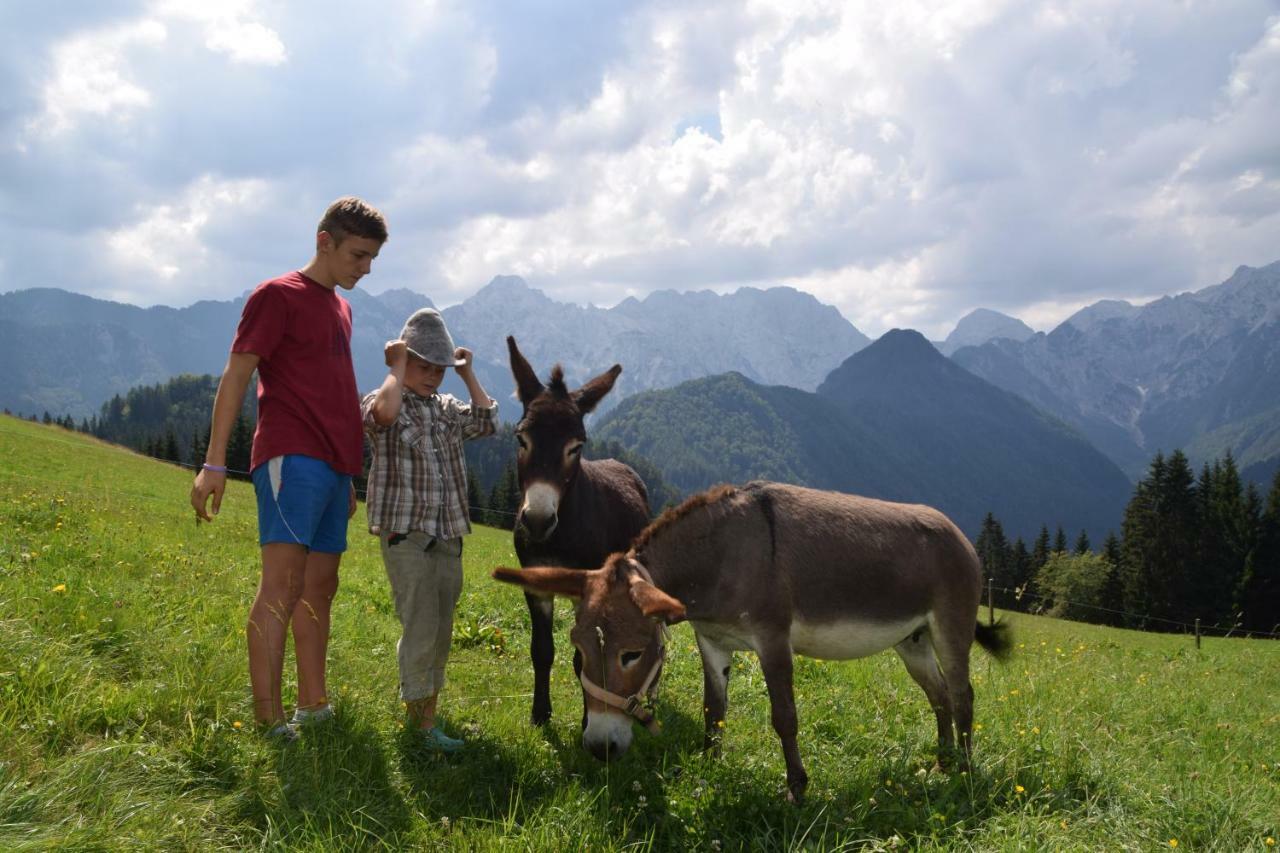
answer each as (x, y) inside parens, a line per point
(905, 162)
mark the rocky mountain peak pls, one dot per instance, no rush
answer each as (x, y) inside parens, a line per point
(982, 325)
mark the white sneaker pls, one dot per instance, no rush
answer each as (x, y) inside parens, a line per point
(305, 716)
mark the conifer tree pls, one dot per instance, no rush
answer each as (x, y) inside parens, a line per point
(1139, 530)
(240, 445)
(1252, 511)
(1113, 590)
(169, 451)
(1040, 551)
(1022, 572)
(1082, 544)
(504, 499)
(993, 550)
(1260, 584)
(475, 501)
(1160, 534)
(196, 455)
(1226, 533)
(1060, 541)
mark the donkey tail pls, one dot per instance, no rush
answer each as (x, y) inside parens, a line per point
(995, 639)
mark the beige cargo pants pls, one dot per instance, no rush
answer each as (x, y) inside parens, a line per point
(426, 581)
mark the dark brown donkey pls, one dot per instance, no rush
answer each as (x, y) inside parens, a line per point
(573, 512)
(777, 570)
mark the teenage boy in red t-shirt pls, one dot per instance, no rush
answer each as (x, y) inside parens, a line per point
(296, 332)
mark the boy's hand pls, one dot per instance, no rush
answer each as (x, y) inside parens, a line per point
(464, 355)
(396, 353)
(208, 483)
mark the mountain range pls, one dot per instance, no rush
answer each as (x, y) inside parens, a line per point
(67, 353)
(1198, 371)
(897, 420)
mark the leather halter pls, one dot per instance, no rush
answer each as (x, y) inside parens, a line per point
(637, 704)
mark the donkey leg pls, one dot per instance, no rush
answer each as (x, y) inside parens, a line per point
(542, 651)
(776, 665)
(954, 660)
(715, 691)
(916, 652)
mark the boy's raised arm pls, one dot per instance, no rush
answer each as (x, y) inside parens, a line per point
(385, 407)
(479, 397)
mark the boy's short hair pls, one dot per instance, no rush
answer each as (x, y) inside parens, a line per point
(352, 217)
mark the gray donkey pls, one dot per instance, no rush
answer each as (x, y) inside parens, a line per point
(778, 570)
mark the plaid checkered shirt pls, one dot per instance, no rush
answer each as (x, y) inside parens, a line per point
(418, 475)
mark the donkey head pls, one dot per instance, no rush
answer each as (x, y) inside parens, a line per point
(550, 436)
(619, 633)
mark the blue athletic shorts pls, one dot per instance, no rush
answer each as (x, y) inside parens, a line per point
(302, 501)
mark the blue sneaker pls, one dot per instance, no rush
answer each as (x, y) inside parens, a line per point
(437, 741)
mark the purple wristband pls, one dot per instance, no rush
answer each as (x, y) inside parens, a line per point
(221, 469)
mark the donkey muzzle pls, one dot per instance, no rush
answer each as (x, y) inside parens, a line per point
(538, 512)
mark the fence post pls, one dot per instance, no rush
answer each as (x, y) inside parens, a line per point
(991, 603)
(1197, 633)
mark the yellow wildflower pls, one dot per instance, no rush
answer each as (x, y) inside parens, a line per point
(1270, 842)
(1173, 842)
(62, 587)
(237, 725)
(1019, 789)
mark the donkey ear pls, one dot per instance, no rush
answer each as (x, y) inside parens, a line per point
(594, 390)
(655, 603)
(528, 386)
(546, 581)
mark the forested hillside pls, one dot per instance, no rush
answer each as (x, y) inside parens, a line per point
(896, 421)
(1192, 548)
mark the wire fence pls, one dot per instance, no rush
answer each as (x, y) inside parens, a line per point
(1018, 593)
(1195, 627)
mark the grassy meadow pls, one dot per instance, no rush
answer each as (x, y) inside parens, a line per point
(125, 713)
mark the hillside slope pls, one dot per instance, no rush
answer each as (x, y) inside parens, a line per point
(125, 702)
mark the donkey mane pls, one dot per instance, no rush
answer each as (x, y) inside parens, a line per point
(671, 516)
(556, 386)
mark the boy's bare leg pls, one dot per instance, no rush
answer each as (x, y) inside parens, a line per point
(311, 627)
(422, 712)
(278, 591)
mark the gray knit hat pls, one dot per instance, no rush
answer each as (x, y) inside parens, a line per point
(426, 337)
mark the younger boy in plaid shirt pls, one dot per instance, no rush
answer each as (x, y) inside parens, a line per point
(417, 501)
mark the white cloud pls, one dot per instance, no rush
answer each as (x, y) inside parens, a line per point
(907, 162)
(166, 240)
(90, 77)
(229, 28)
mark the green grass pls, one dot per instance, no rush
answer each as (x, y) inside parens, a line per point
(123, 678)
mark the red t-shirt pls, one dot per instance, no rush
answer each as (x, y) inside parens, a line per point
(307, 397)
